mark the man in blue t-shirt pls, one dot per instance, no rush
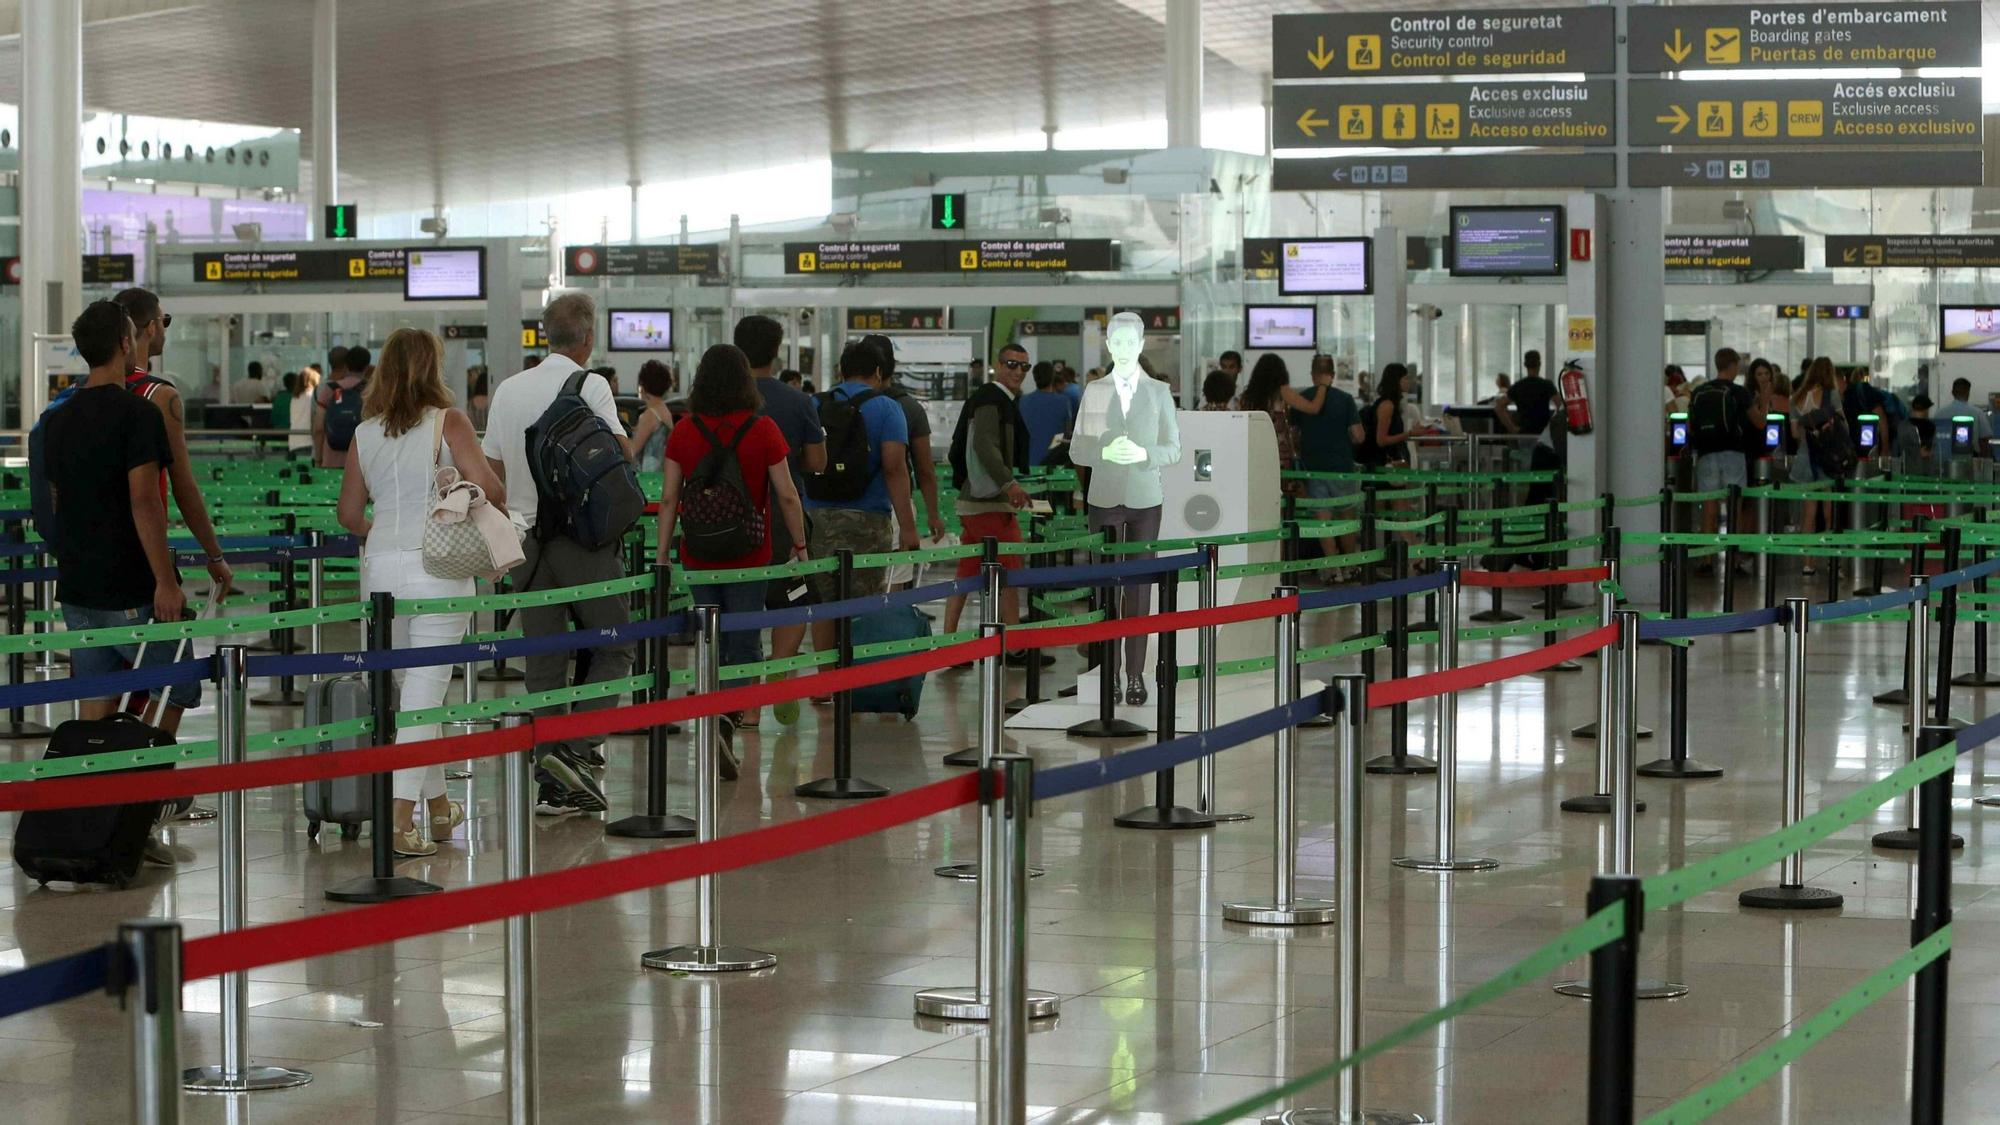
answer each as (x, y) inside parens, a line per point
(1326, 445)
(862, 524)
(1046, 409)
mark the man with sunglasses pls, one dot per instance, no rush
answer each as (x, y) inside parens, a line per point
(989, 453)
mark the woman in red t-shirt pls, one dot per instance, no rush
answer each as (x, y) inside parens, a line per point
(724, 400)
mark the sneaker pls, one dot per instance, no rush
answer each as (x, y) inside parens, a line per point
(411, 844)
(157, 853)
(787, 713)
(573, 779)
(725, 748)
(551, 803)
(441, 826)
(594, 757)
(186, 809)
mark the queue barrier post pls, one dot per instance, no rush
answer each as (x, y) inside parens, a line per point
(518, 932)
(1791, 893)
(1010, 782)
(234, 1074)
(708, 954)
(1164, 813)
(992, 587)
(1031, 685)
(45, 601)
(1446, 857)
(1399, 761)
(1731, 553)
(1899, 696)
(1836, 515)
(1917, 685)
(1284, 907)
(1208, 646)
(316, 584)
(1933, 913)
(656, 823)
(1677, 765)
(1614, 1008)
(501, 672)
(1981, 675)
(16, 724)
(1876, 565)
(1107, 724)
(1947, 633)
(287, 694)
(1552, 594)
(382, 883)
(1599, 799)
(1497, 612)
(145, 975)
(1668, 521)
(843, 785)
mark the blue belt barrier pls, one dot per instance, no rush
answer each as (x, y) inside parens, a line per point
(430, 656)
(15, 513)
(1394, 588)
(847, 607)
(1965, 574)
(1674, 628)
(52, 982)
(1064, 780)
(17, 550)
(108, 686)
(1979, 733)
(1855, 607)
(23, 577)
(1093, 573)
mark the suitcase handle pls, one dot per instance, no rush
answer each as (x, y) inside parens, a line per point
(210, 611)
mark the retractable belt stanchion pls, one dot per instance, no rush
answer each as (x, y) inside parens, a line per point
(1899, 696)
(992, 587)
(1284, 908)
(1915, 716)
(1352, 694)
(1010, 783)
(234, 1075)
(16, 723)
(975, 1002)
(1980, 676)
(656, 823)
(1446, 858)
(1874, 584)
(1947, 635)
(500, 671)
(1399, 760)
(382, 883)
(1791, 893)
(1836, 515)
(1667, 526)
(517, 948)
(146, 977)
(1733, 503)
(1163, 812)
(1208, 643)
(1107, 724)
(1031, 683)
(1599, 800)
(708, 954)
(1624, 658)
(1552, 594)
(287, 694)
(1933, 913)
(316, 584)
(1499, 612)
(1614, 1008)
(843, 785)
(1677, 765)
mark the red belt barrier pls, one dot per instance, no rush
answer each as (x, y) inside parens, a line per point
(1056, 636)
(325, 934)
(1533, 577)
(1391, 692)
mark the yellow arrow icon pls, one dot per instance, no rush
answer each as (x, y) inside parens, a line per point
(1310, 120)
(1678, 50)
(1678, 119)
(1269, 258)
(1319, 57)
(1847, 255)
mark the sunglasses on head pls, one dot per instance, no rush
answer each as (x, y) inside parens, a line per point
(1016, 364)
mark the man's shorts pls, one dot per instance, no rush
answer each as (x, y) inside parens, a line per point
(977, 527)
(102, 660)
(1719, 470)
(864, 533)
(1317, 489)
(779, 593)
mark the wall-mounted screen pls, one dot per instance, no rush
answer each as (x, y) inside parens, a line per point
(1324, 267)
(1969, 328)
(1505, 242)
(445, 273)
(642, 330)
(1281, 327)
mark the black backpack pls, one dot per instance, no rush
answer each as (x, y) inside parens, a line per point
(1829, 442)
(584, 487)
(1717, 423)
(847, 475)
(343, 417)
(719, 521)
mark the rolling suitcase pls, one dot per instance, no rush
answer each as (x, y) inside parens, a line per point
(899, 697)
(343, 800)
(101, 843)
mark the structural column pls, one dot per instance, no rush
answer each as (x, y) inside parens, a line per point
(503, 310)
(1183, 73)
(51, 184)
(325, 106)
(1392, 299)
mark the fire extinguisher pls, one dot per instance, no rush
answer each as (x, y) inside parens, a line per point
(1576, 397)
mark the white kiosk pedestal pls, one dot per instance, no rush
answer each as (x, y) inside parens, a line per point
(1226, 482)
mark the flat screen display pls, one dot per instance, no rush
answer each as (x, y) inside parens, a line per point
(1281, 327)
(1505, 242)
(1314, 267)
(1677, 432)
(1969, 328)
(445, 273)
(1774, 432)
(1961, 431)
(1868, 430)
(642, 330)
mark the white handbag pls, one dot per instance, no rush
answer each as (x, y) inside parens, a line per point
(464, 536)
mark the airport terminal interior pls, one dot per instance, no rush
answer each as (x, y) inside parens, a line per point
(1102, 562)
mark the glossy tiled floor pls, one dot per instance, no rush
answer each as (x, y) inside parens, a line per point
(1167, 1011)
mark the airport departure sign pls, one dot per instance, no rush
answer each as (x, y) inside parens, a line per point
(1735, 252)
(1412, 44)
(1850, 36)
(1456, 114)
(643, 261)
(894, 320)
(300, 265)
(1913, 251)
(1807, 111)
(986, 255)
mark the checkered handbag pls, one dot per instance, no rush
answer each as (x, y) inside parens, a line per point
(464, 536)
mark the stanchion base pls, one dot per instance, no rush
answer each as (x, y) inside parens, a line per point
(1153, 816)
(1682, 771)
(1233, 817)
(1496, 616)
(708, 959)
(1647, 990)
(1907, 840)
(1439, 863)
(1895, 698)
(1565, 666)
(505, 674)
(964, 1004)
(1599, 803)
(1106, 728)
(641, 826)
(967, 758)
(1339, 1117)
(1067, 693)
(369, 888)
(250, 1080)
(1977, 679)
(968, 872)
(1298, 912)
(1407, 764)
(1991, 800)
(278, 699)
(1021, 703)
(1589, 730)
(840, 789)
(1790, 898)
(26, 728)
(1318, 721)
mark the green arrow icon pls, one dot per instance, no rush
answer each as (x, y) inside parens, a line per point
(950, 219)
(340, 222)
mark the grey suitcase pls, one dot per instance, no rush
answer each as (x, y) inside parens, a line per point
(343, 800)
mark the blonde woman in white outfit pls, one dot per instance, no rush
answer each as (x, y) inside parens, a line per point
(406, 415)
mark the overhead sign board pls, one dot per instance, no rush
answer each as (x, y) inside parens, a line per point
(1048, 327)
(1765, 168)
(1410, 44)
(1822, 312)
(340, 220)
(300, 265)
(98, 269)
(465, 331)
(1913, 251)
(948, 210)
(894, 320)
(1710, 37)
(1687, 328)
(1735, 252)
(1806, 111)
(1458, 115)
(986, 255)
(1430, 173)
(642, 261)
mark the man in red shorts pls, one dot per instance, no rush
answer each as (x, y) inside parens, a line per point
(989, 452)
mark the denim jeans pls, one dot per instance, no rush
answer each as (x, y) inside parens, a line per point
(741, 646)
(102, 660)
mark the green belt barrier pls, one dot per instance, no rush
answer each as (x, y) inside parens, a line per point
(1708, 1100)
(1066, 596)
(1251, 570)
(1526, 628)
(1342, 648)
(1328, 529)
(782, 666)
(913, 644)
(1653, 559)
(1091, 618)
(1348, 501)
(1393, 495)
(1450, 550)
(1591, 505)
(411, 607)
(1556, 545)
(1815, 539)
(44, 616)
(1594, 932)
(487, 708)
(489, 638)
(1535, 476)
(1637, 501)
(1087, 542)
(1483, 515)
(1157, 546)
(1267, 663)
(915, 558)
(177, 630)
(1701, 497)
(683, 579)
(1418, 524)
(185, 752)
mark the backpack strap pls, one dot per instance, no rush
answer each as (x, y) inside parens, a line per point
(856, 400)
(574, 384)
